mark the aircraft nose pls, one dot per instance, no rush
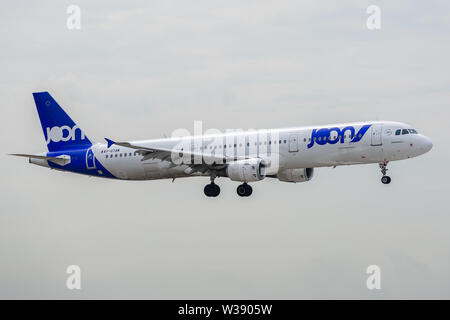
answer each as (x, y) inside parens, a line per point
(427, 144)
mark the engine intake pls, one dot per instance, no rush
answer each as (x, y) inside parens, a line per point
(246, 170)
(296, 175)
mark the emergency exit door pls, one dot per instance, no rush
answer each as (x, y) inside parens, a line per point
(376, 139)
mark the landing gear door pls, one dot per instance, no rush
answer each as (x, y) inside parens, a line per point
(90, 159)
(376, 135)
(293, 143)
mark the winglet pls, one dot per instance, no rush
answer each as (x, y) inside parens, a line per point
(110, 142)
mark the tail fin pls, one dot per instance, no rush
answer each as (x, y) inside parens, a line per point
(60, 132)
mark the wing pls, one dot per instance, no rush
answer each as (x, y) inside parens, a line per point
(204, 162)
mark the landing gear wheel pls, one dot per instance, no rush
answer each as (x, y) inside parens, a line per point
(212, 190)
(244, 190)
(249, 191)
(386, 179)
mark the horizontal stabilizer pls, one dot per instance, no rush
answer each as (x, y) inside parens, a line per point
(61, 160)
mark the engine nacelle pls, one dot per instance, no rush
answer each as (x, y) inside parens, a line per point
(246, 170)
(296, 175)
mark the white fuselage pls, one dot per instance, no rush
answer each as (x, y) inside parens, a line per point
(299, 147)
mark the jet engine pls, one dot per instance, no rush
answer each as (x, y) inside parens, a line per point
(296, 175)
(246, 170)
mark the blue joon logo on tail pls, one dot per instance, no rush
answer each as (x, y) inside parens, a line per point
(60, 132)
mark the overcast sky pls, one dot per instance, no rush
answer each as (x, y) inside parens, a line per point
(140, 69)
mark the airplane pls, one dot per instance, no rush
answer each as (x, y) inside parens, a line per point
(287, 154)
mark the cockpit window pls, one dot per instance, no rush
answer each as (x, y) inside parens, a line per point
(398, 132)
(405, 131)
(412, 131)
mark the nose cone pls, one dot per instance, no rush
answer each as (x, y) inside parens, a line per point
(426, 144)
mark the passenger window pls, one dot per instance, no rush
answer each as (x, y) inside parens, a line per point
(116, 155)
(130, 154)
(106, 156)
(397, 132)
(284, 141)
(405, 131)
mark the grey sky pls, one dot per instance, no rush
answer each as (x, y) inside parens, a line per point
(140, 69)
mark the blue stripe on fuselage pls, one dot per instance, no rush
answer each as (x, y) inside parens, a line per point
(79, 163)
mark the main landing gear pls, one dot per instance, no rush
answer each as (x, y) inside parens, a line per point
(244, 190)
(384, 179)
(212, 189)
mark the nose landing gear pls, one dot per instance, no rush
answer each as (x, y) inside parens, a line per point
(383, 166)
(386, 179)
(244, 190)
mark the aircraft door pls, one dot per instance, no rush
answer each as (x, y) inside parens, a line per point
(376, 135)
(90, 159)
(293, 143)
